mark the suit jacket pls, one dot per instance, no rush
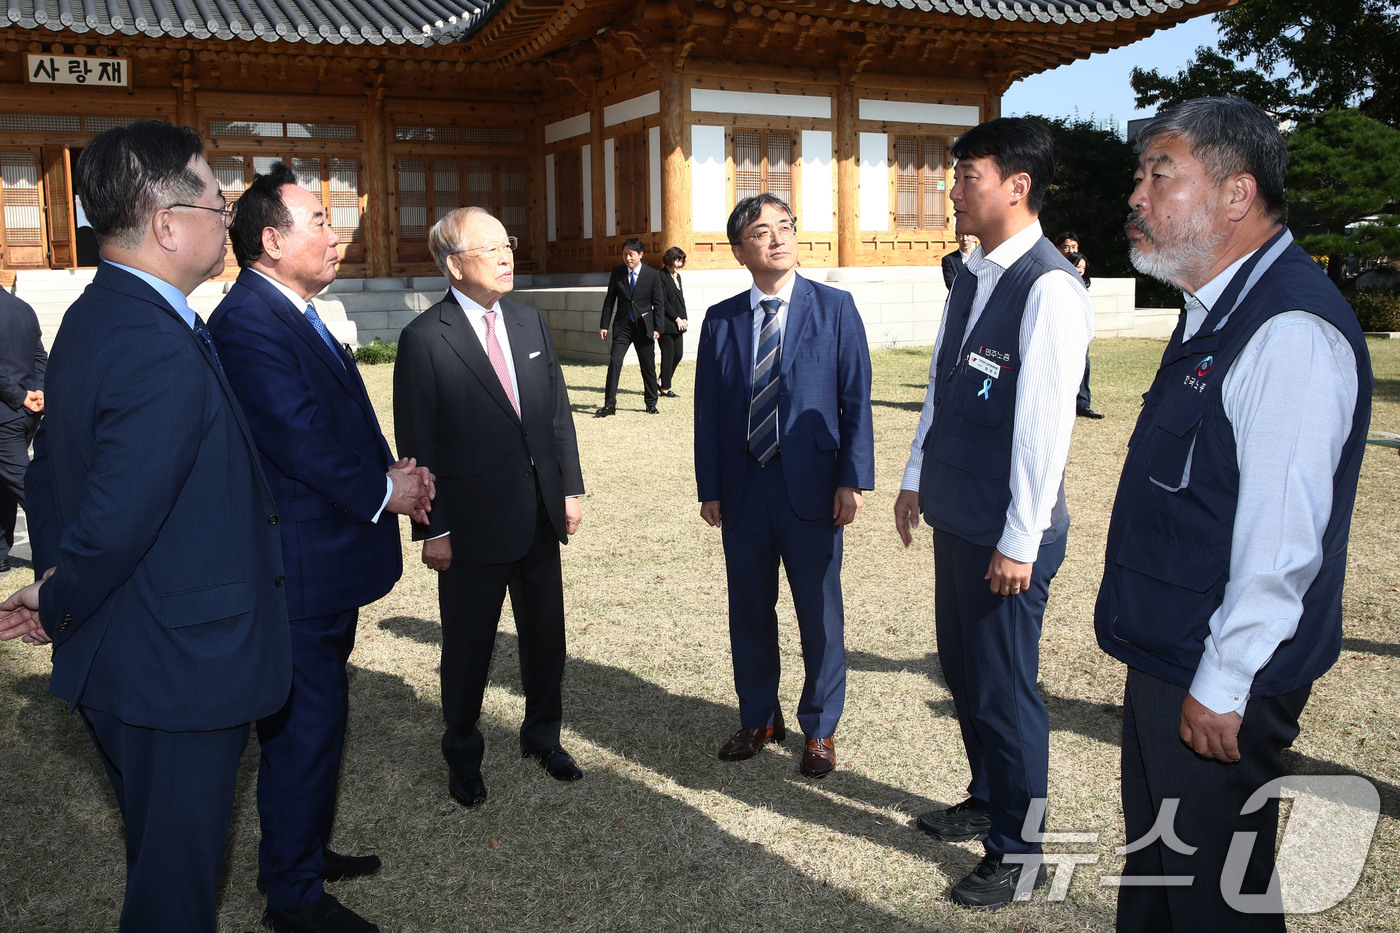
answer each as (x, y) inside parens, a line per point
(167, 606)
(451, 413)
(675, 303)
(321, 448)
(648, 300)
(952, 264)
(22, 357)
(824, 419)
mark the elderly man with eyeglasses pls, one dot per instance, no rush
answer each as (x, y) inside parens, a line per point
(479, 398)
(783, 449)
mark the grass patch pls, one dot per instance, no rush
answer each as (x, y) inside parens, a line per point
(660, 835)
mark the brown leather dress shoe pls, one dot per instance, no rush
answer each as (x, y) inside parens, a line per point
(819, 759)
(746, 742)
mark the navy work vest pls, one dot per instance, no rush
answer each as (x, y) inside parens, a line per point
(964, 484)
(1168, 555)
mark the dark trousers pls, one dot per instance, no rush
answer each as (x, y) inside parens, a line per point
(631, 334)
(766, 533)
(470, 597)
(299, 769)
(15, 436)
(1082, 400)
(1158, 767)
(989, 648)
(175, 793)
(672, 349)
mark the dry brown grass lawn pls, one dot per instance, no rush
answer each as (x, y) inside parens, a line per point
(661, 835)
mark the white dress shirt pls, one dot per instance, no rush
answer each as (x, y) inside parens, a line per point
(476, 316)
(756, 295)
(1290, 397)
(301, 304)
(1056, 328)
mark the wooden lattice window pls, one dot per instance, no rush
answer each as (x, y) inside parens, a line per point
(921, 181)
(430, 188)
(568, 192)
(19, 194)
(762, 163)
(633, 191)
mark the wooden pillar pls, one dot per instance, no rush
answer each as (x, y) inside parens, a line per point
(675, 165)
(186, 113)
(375, 190)
(847, 177)
(599, 220)
(537, 198)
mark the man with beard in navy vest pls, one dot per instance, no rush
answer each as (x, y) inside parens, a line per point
(987, 469)
(1222, 586)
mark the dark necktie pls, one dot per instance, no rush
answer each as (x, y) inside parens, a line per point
(632, 290)
(763, 410)
(206, 338)
(325, 333)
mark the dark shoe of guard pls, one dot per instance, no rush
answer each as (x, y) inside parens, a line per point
(1087, 413)
(669, 394)
(653, 410)
(994, 882)
(605, 411)
(337, 867)
(745, 743)
(965, 822)
(323, 915)
(467, 789)
(819, 759)
(558, 763)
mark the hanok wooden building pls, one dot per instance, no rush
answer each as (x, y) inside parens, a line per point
(578, 122)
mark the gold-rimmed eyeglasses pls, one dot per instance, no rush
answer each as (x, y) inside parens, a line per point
(225, 212)
(782, 231)
(511, 243)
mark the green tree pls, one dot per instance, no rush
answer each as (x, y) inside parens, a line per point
(1338, 53)
(1344, 172)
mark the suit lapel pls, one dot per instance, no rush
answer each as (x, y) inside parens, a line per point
(295, 319)
(799, 324)
(458, 333)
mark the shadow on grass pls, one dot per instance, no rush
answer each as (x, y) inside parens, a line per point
(1367, 646)
(676, 736)
(902, 406)
(1387, 390)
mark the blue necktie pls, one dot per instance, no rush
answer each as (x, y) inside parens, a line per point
(321, 329)
(206, 338)
(763, 411)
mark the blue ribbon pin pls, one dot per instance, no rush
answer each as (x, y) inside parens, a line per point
(986, 389)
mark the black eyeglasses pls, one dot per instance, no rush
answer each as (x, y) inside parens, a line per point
(511, 243)
(225, 212)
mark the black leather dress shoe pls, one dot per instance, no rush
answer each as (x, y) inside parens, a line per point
(1087, 413)
(557, 762)
(605, 411)
(669, 394)
(653, 410)
(337, 867)
(467, 789)
(4, 566)
(323, 915)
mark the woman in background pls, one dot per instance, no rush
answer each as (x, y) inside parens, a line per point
(674, 327)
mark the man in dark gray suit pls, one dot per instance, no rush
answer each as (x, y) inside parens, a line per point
(635, 290)
(22, 363)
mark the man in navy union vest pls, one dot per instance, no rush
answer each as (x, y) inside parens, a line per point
(987, 469)
(1222, 586)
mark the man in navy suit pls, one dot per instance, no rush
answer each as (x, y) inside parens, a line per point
(783, 449)
(163, 585)
(22, 362)
(480, 399)
(337, 489)
(634, 288)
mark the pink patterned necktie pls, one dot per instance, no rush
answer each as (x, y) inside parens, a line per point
(497, 357)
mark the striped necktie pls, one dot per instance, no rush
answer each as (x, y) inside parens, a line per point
(497, 356)
(763, 410)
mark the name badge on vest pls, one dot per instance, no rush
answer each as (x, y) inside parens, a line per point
(980, 363)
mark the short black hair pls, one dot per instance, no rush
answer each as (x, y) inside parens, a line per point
(634, 243)
(1067, 235)
(127, 173)
(672, 256)
(257, 209)
(748, 210)
(1016, 145)
(1230, 136)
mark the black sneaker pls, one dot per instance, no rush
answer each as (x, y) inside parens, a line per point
(965, 822)
(995, 883)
